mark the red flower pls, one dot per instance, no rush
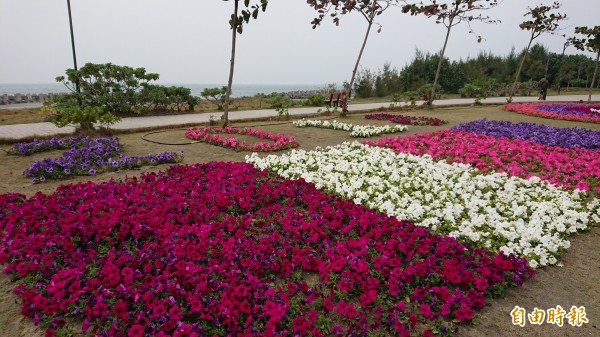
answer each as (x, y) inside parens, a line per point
(463, 314)
(120, 310)
(425, 310)
(136, 331)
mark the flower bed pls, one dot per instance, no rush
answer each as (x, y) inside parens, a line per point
(213, 136)
(571, 168)
(221, 249)
(355, 130)
(87, 156)
(43, 145)
(539, 133)
(566, 111)
(409, 120)
(493, 211)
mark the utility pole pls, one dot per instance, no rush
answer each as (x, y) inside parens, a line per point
(74, 54)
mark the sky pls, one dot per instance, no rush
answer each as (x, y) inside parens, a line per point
(189, 41)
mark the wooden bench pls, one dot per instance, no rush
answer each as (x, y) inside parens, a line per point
(335, 99)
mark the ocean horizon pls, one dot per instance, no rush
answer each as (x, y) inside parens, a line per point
(238, 90)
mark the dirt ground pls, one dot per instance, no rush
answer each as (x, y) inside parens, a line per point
(573, 284)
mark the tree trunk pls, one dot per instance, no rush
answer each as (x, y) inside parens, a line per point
(512, 90)
(231, 66)
(359, 57)
(439, 66)
(594, 77)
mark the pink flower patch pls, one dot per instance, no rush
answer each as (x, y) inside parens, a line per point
(213, 136)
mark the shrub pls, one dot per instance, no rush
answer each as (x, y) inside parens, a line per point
(112, 87)
(470, 91)
(410, 97)
(86, 117)
(279, 100)
(315, 100)
(578, 83)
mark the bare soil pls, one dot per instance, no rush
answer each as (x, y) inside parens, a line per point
(575, 283)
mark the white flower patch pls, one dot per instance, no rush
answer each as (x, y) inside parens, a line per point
(362, 131)
(530, 218)
(595, 110)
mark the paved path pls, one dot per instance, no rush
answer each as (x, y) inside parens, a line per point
(18, 131)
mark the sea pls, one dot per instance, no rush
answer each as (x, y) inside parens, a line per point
(238, 90)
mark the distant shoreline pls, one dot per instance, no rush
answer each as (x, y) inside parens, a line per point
(239, 90)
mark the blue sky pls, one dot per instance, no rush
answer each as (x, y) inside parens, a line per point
(188, 41)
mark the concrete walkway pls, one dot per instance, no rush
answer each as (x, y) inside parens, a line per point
(19, 131)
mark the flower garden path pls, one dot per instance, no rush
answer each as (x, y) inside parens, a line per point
(19, 131)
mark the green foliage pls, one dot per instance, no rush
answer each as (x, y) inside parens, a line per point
(215, 95)
(527, 88)
(335, 8)
(380, 89)
(86, 118)
(364, 84)
(159, 98)
(245, 15)
(279, 100)
(542, 20)
(470, 91)
(315, 100)
(451, 13)
(112, 87)
(489, 72)
(410, 97)
(578, 83)
(591, 41)
(425, 91)
(108, 91)
(396, 98)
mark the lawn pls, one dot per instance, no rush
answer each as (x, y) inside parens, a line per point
(570, 282)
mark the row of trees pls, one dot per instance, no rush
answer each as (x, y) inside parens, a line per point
(449, 13)
(540, 20)
(493, 74)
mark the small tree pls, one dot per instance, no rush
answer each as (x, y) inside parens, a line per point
(369, 9)
(108, 85)
(542, 21)
(215, 95)
(591, 43)
(236, 23)
(450, 14)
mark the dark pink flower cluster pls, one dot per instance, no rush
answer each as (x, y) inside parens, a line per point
(222, 249)
(566, 111)
(407, 120)
(213, 136)
(567, 167)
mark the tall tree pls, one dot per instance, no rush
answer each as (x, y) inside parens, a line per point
(450, 14)
(543, 20)
(238, 18)
(369, 9)
(591, 43)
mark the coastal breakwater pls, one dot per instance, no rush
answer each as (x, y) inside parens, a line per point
(25, 98)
